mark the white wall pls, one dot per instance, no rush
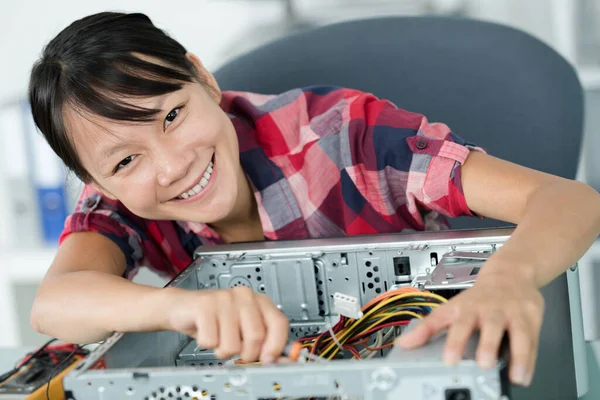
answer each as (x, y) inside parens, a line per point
(202, 26)
(534, 16)
(211, 27)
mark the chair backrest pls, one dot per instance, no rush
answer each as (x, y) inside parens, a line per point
(493, 85)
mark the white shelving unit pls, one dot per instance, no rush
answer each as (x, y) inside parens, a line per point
(18, 266)
(590, 77)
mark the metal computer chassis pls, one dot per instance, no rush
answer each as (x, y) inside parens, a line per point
(301, 277)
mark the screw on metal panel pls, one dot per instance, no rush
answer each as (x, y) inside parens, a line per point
(574, 267)
(383, 378)
(238, 380)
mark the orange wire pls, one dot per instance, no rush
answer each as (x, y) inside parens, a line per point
(385, 295)
(379, 348)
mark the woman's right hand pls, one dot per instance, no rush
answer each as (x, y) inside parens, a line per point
(235, 321)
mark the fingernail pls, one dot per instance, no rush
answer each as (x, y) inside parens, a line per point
(268, 360)
(520, 376)
(528, 378)
(451, 357)
(487, 360)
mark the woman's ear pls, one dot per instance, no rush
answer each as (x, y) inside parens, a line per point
(206, 77)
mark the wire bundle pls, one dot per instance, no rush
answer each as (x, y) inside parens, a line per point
(377, 328)
(49, 358)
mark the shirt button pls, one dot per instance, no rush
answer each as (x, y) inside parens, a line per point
(92, 201)
(421, 144)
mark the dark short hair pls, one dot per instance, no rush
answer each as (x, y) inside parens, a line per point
(93, 65)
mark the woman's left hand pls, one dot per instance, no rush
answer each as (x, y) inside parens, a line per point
(496, 303)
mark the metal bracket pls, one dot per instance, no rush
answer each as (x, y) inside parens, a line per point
(455, 270)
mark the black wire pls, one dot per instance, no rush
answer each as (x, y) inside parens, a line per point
(394, 306)
(32, 356)
(8, 374)
(42, 356)
(54, 370)
(327, 334)
(36, 354)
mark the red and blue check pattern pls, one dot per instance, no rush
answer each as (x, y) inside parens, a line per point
(323, 161)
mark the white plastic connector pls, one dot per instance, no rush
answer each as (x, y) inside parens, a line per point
(347, 306)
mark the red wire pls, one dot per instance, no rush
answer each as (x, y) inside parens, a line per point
(379, 348)
(353, 351)
(337, 326)
(377, 328)
(50, 352)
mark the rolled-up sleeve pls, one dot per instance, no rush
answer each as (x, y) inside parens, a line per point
(408, 166)
(96, 213)
(434, 176)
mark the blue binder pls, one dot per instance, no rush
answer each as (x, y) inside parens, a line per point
(48, 179)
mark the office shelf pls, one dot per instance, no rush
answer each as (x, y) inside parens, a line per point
(27, 264)
(590, 77)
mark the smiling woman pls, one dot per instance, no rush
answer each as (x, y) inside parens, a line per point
(170, 163)
(156, 165)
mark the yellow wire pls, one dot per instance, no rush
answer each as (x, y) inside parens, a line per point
(392, 299)
(432, 305)
(343, 338)
(376, 313)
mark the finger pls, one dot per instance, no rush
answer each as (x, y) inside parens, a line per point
(492, 327)
(533, 356)
(436, 321)
(522, 343)
(230, 341)
(277, 326)
(535, 318)
(252, 324)
(458, 335)
(207, 330)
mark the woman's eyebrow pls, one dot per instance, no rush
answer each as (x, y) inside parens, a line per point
(159, 103)
(108, 152)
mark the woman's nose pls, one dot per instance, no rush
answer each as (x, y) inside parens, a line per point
(173, 166)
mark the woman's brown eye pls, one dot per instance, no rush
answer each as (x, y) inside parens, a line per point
(124, 163)
(171, 117)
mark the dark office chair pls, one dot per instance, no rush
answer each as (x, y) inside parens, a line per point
(493, 85)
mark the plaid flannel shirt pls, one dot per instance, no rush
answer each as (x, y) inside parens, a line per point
(323, 161)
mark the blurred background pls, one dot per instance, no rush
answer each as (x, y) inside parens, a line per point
(35, 192)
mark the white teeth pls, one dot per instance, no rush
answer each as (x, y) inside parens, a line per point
(203, 182)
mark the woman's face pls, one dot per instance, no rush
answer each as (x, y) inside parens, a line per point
(182, 166)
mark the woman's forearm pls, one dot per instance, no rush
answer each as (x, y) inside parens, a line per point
(87, 306)
(560, 222)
